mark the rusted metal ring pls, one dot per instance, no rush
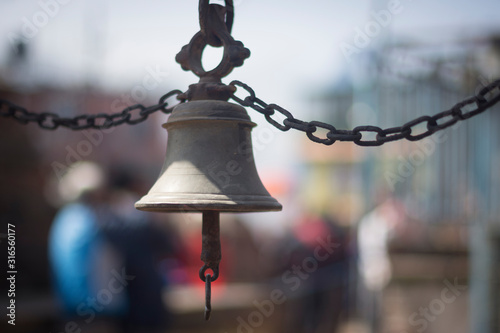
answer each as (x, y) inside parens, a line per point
(216, 22)
(198, 44)
(234, 55)
(206, 25)
(203, 271)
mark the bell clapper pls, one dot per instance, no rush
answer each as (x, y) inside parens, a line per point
(210, 254)
(208, 296)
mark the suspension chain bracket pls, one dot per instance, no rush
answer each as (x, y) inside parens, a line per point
(215, 30)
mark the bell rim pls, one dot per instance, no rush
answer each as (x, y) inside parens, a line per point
(196, 208)
(222, 203)
(223, 208)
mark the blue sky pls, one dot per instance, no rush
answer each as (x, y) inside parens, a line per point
(292, 41)
(294, 44)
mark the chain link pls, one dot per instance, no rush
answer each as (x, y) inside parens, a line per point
(131, 115)
(486, 98)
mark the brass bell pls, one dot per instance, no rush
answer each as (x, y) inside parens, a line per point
(209, 164)
(209, 168)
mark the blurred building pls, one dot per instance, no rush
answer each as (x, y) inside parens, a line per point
(449, 182)
(33, 160)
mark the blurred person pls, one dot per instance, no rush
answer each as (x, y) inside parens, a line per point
(241, 253)
(143, 246)
(316, 276)
(82, 262)
(105, 254)
(374, 266)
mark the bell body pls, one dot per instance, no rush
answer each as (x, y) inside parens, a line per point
(209, 163)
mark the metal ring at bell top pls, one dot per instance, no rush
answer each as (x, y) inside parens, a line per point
(197, 44)
(204, 269)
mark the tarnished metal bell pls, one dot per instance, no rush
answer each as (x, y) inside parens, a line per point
(209, 164)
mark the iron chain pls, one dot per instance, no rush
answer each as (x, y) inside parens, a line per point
(132, 115)
(486, 98)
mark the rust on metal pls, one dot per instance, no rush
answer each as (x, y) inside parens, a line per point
(210, 255)
(210, 247)
(215, 30)
(208, 296)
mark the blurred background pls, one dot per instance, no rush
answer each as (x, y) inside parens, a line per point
(399, 238)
